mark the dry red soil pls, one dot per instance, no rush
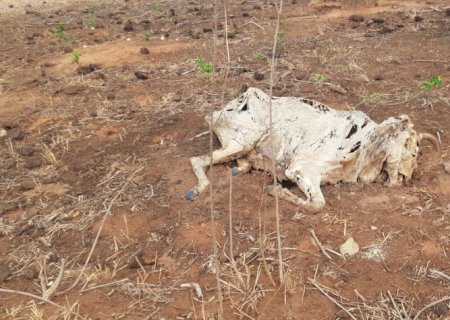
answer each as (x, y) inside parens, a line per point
(90, 148)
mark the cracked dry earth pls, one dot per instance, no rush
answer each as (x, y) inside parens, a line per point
(98, 102)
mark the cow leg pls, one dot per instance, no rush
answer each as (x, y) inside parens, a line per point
(310, 186)
(199, 165)
(243, 166)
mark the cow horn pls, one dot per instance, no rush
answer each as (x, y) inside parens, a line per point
(431, 138)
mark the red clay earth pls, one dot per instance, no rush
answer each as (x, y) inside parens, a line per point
(90, 120)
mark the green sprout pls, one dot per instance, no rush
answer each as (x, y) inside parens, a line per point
(203, 65)
(146, 36)
(60, 33)
(320, 78)
(435, 81)
(75, 57)
(374, 96)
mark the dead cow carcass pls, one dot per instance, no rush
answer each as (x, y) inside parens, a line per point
(312, 145)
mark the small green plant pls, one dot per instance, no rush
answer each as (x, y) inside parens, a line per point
(90, 18)
(75, 57)
(320, 78)
(436, 81)
(281, 35)
(60, 33)
(146, 36)
(328, 43)
(374, 96)
(258, 56)
(204, 66)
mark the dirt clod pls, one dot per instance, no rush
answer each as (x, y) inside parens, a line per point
(67, 49)
(135, 261)
(356, 18)
(5, 271)
(73, 90)
(128, 27)
(258, 75)
(27, 185)
(88, 69)
(8, 206)
(33, 164)
(141, 75)
(441, 309)
(144, 50)
(26, 151)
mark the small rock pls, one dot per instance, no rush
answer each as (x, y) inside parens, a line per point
(447, 167)
(378, 20)
(378, 77)
(441, 309)
(387, 29)
(418, 18)
(356, 18)
(70, 91)
(6, 207)
(141, 75)
(110, 96)
(3, 132)
(33, 164)
(144, 50)
(67, 49)
(27, 185)
(245, 14)
(258, 76)
(373, 228)
(206, 30)
(349, 247)
(299, 75)
(135, 261)
(88, 69)
(128, 27)
(5, 271)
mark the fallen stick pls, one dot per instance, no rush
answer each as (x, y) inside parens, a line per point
(316, 284)
(319, 244)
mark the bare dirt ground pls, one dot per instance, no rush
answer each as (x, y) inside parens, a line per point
(89, 122)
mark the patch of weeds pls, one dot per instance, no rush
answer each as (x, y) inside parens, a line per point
(90, 18)
(436, 81)
(328, 43)
(75, 57)
(318, 77)
(204, 66)
(260, 56)
(146, 36)
(60, 33)
(158, 6)
(374, 96)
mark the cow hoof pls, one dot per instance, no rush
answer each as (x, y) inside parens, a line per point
(235, 171)
(190, 195)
